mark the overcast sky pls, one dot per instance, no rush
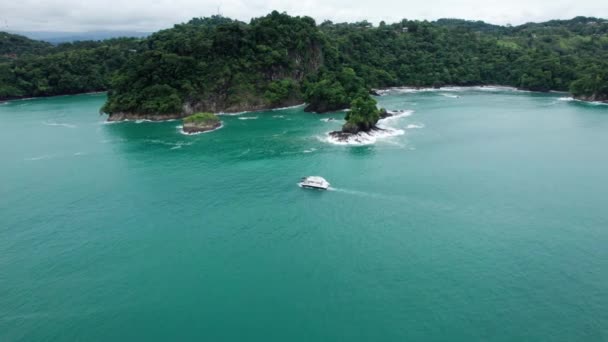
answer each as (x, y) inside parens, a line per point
(150, 15)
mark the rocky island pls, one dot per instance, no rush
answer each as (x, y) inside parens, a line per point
(201, 122)
(362, 117)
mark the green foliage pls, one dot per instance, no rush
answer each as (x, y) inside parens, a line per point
(279, 91)
(593, 84)
(363, 114)
(65, 69)
(205, 118)
(216, 63)
(13, 46)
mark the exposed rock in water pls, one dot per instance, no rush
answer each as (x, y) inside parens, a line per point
(593, 98)
(201, 122)
(374, 92)
(384, 114)
(344, 136)
(246, 103)
(139, 116)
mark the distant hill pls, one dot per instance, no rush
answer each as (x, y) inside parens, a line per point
(13, 46)
(59, 37)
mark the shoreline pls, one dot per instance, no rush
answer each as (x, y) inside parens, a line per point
(27, 98)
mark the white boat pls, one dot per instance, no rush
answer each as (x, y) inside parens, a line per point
(314, 182)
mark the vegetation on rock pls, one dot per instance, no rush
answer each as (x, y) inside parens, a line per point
(201, 122)
(362, 116)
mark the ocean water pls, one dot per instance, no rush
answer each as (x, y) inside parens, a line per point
(479, 215)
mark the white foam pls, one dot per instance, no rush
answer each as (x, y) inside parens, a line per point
(57, 124)
(248, 118)
(407, 90)
(364, 138)
(310, 150)
(570, 99)
(44, 157)
(328, 120)
(395, 116)
(278, 116)
(289, 107)
(450, 96)
(181, 130)
(414, 126)
(232, 114)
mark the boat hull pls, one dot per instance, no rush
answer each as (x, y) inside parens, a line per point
(312, 187)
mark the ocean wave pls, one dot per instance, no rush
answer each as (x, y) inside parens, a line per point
(572, 99)
(414, 126)
(363, 138)
(566, 99)
(248, 118)
(278, 116)
(328, 120)
(311, 150)
(44, 157)
(408, 90)
(395, 116)
(181, 130)
(57, 124)
(450, 96)
(148, 120)
(289, 107)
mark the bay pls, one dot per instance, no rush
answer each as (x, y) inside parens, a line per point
(482, 217)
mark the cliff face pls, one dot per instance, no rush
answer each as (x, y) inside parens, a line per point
(219, 67)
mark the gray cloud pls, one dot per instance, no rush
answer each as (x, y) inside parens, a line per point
(147, 15)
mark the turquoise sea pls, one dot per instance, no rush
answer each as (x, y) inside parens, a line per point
(481, 216)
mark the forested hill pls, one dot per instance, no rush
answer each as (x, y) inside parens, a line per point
(39, 69)
(13, 46)
(218, 64)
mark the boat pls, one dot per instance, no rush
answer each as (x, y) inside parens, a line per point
(314, 182)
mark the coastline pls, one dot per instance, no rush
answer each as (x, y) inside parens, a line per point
(26, 98)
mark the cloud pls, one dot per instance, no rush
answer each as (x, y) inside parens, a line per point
(148, 15)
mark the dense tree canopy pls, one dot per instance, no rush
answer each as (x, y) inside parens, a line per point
(219, 64)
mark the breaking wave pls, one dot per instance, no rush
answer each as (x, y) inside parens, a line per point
(388, 128)
(248, 118)
(289, 107)
(406, 90)
(572, 99)
(363, 138)
(328, 119)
